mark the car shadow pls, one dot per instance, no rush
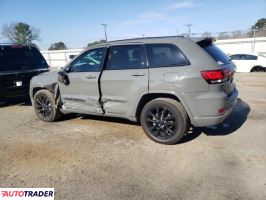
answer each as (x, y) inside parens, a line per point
(192, 134)
(110, 119)
(232, 123)
(22, 101)
(97, 118)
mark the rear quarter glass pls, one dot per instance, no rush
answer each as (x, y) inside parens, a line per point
(217, 54)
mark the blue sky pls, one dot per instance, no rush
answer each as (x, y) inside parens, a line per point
(77, 22)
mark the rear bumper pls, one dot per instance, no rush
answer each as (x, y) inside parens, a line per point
(208, 121)
(229, 103)
(8, 79)
(14, 92)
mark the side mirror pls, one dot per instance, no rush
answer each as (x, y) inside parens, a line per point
(63, 78)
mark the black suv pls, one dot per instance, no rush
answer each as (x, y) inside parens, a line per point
(18, 64)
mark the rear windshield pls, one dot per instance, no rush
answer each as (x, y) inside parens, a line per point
(20, 58)
(218, 55)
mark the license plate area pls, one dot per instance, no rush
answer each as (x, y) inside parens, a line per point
(18, 83)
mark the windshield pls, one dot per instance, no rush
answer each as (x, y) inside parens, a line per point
(20, 58)
(218, 55)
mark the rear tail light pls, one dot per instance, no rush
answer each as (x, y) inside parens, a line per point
(221, 111)
(216, 76)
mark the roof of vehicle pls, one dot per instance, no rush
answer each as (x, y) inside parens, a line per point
(14, 44)
(147, 39)
(150, 39)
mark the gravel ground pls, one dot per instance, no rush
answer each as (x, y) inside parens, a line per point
(85, 157)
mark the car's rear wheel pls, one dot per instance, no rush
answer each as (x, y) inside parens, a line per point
(164, 120)
(44, 106)
(258, 69)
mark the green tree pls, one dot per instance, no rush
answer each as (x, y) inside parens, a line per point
(58, 46)
(260, 24)
(96, 43)
(21, 33)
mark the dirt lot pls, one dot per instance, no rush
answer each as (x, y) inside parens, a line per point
(86, 157)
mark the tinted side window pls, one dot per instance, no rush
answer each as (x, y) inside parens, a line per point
(90, 61)
(165, 55)
(250, 57)
(235, 57)
(241, 57)
(217, 54)
(126, 57)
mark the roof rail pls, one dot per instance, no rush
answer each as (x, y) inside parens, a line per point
(140, 38)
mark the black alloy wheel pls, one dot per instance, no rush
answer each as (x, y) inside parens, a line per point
(164, 120)
(44, 106)
(161, 122)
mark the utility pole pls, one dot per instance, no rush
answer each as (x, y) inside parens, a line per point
(254, 40)
(189, 29)
(142, 35)
(105, 25)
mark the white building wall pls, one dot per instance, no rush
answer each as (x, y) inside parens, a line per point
(59, 58)
(243, 45)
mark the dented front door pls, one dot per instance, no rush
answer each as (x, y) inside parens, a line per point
(82, 93)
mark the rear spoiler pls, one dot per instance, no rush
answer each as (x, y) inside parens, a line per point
(205, 42)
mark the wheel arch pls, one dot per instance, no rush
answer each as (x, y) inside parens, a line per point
(53, 88)
(144, 99)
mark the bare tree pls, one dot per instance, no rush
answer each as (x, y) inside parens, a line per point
(21, 33)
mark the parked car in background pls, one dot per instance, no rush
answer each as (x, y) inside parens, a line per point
(166, 83)
(249, 62)
(18, 64)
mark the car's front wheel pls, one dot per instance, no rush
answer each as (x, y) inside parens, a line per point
(44, 106)
(164, 120)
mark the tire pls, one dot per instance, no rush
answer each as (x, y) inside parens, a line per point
(164, 120)
(44, 106)
(258, 69)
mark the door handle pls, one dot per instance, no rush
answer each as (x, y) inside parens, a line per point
(91, 76)
(139, 74)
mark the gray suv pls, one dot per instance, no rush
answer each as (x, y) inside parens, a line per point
(167, 83)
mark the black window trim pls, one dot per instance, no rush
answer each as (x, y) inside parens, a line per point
(68, 68)
(171, 44)
(143, 52)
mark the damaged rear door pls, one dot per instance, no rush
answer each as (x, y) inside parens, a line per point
(124, 80)
(82, 93)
